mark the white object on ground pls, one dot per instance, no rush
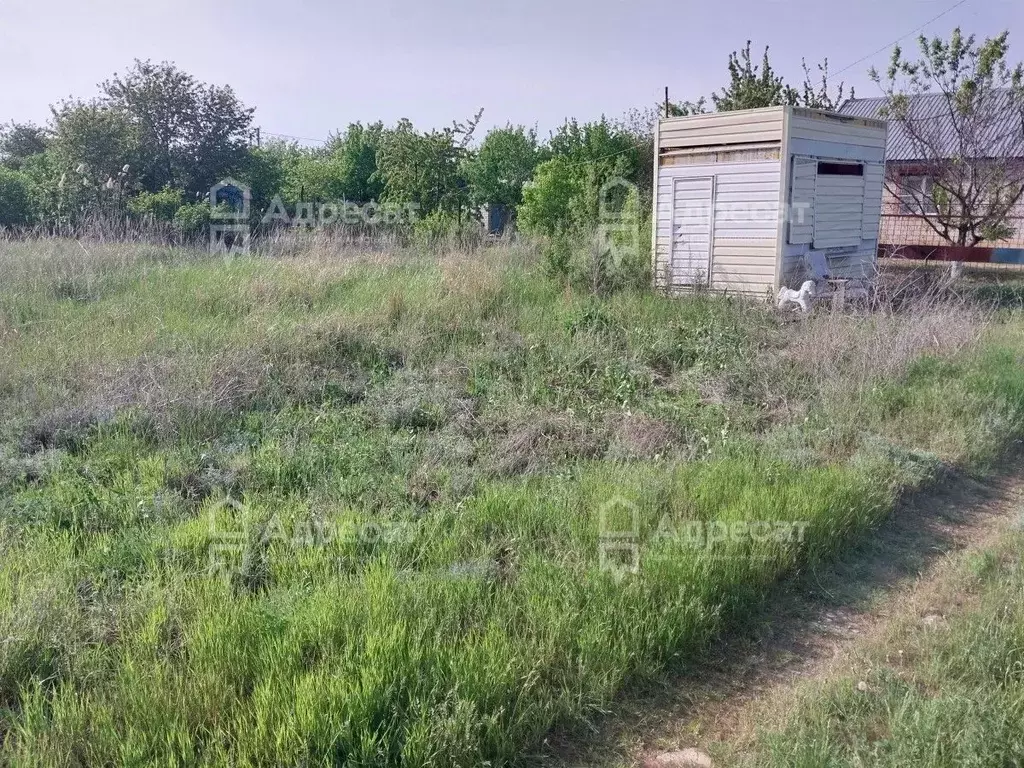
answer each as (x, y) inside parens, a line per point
(683, 758)
(797, 299)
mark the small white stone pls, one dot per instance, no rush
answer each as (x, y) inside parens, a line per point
(683, 758)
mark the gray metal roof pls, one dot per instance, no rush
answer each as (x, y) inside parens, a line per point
(1003, 135)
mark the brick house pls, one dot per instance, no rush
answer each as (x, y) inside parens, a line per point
(907, 190)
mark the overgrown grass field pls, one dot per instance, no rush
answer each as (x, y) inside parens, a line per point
(330, 507)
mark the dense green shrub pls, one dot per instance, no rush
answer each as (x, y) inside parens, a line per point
(157, 206)
(15, 198)
(445, 227)
(192, 218)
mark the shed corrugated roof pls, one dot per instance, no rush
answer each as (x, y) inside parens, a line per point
(1004, 135)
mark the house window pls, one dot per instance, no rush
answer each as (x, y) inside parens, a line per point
(916, 195)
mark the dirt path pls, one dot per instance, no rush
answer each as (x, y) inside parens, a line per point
(817, 627)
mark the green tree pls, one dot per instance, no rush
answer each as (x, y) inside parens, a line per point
(752, 87)
(687, 108)
(313, 175)
(190, 134)
(424, 168)
(504, 163)
(817, 93)
(49, 196)
(345, 169)
(969, 143)
(267, 171)
(354, 159)
(91, 163)
(93, 140)
(20, 141)
(565, 194)
(549, 198)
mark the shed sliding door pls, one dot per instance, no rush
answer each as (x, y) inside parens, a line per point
(692, 222)
(838, 205)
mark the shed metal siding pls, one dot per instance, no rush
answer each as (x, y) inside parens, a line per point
(874, 178)
(745, 226)
(825, 134)
(801, 214)
(743, 265)
(747, 205)
(658, 281)
(838, 211)
(692, 222)
(825, 126)
(858, 264)
(749, 126)
(835, 150)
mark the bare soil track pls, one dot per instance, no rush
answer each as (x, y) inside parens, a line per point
(813, 628)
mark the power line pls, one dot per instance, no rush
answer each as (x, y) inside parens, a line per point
(898, 39)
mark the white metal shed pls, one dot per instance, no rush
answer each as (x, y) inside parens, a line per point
(742, 197)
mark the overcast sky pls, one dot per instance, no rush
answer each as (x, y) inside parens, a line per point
(312, 66)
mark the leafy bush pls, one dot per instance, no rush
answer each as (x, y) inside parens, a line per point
(548, 199)
(442, 226)
(157, 206)
(597, 263)
(15, 198)
(192, 218)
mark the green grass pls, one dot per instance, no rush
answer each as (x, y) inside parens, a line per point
(949, 694)
(329, 510)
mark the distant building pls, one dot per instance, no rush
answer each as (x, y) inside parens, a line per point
(907, 191)
(497, 218)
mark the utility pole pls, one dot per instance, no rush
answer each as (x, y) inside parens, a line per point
(257, 137)
(666, 101)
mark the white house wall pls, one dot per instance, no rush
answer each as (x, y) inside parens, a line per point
(745, 228)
